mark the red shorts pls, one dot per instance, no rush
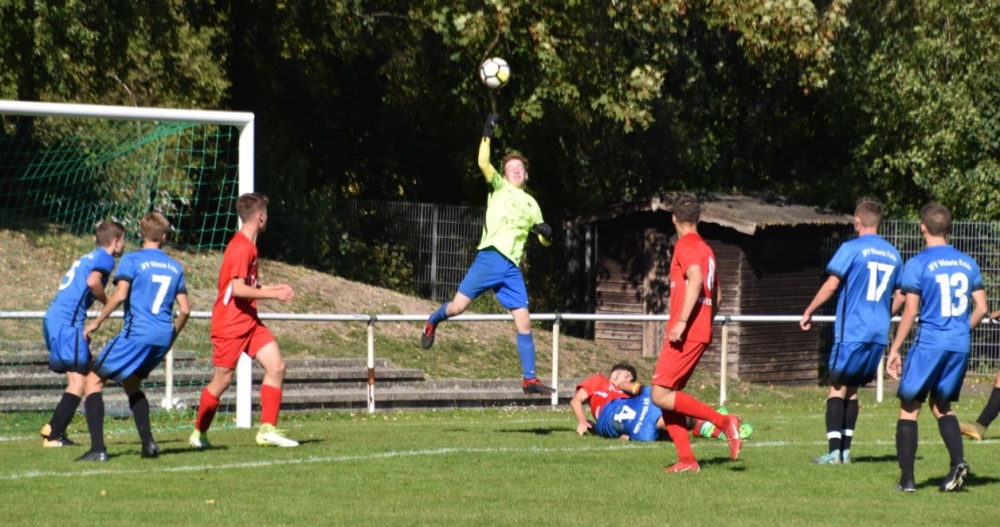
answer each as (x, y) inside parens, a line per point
(226, 351)
(676, 363)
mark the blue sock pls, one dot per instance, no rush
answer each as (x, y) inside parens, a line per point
(526, 349)
(440, 315)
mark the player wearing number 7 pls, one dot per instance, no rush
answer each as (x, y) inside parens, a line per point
(938, 284)
(866, 271)
(148, 282)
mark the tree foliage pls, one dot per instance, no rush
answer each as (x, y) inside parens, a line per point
(819, 100)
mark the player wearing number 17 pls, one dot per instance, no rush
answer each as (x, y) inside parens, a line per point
(148, 282)
(866, 272)
(938, 283)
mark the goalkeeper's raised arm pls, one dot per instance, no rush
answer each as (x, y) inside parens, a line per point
(484, 147)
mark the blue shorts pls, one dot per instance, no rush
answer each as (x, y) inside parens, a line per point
(635, 417)
(492, 270)
(68, 350)
(854, 363)
(932, 371)
(123, 358)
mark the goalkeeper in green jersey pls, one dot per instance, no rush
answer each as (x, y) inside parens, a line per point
(511, 215)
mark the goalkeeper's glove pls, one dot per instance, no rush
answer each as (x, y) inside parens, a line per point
(491, 122)
(542, 229)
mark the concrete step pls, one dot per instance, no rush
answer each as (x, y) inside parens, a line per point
(26, 384)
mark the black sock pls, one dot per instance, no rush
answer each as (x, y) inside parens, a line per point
(906, 447)
(991, 410)
(851, 410)
(94, 406)
(63, 414)
(834, 421)
(948, 426)
(140, 412)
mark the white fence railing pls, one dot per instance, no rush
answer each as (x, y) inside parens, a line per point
(244, 378)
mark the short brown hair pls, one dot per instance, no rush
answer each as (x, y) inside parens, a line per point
(627, 367)
(687, 209)
(936, 218)
(513, 155)
(153, 226)
(251, 203)
(869, 211)
(107, 232)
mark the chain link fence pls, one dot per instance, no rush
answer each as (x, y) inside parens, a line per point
(439, 241)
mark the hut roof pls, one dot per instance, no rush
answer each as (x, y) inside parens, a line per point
(746, 213)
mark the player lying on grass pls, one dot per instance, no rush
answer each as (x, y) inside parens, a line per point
(621, 409)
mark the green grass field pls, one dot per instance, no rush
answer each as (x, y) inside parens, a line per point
(497, 467)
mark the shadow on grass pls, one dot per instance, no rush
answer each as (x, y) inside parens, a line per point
(887, 458)
(538, 431)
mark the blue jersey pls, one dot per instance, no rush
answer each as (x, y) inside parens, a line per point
(156, 279)
(869, 270)
(945, 279)
(632, 416)
(69, 307)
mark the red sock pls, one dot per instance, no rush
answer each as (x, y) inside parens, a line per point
(686, 405)
(207, 407)
(270, 403)
(679, 434)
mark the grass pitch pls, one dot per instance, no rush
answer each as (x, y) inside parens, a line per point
(497, 467)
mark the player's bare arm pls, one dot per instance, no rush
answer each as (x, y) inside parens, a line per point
(182, 315)
(910, 311)
(576, 403)
(826, 291)
(95, 282)
(691, 293)
(117, 299)
(281, 292)
(980, 309)
(898, 299)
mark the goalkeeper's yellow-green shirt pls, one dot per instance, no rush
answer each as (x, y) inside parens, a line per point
(510, 214)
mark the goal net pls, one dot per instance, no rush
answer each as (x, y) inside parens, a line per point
(65, 168)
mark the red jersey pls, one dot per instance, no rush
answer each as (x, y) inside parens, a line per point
(235, 317)
(601, 390)
(692, 250)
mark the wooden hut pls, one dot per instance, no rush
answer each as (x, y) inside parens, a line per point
(770, 261)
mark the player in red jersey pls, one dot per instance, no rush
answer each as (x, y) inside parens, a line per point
(694, 301)
(236, 328)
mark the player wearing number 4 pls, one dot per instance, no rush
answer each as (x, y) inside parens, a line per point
(622, 409)
(69, 351)
(866, 271)
(148, 283)
(938, 284)
(511, 215)
(694, 301)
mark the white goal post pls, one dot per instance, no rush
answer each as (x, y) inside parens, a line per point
(243, 122)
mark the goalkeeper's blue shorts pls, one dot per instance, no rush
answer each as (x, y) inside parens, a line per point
(491, 270)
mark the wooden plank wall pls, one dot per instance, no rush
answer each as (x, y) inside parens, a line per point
(620, 276)
(780, 276)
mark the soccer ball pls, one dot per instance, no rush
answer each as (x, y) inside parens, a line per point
(494, 72)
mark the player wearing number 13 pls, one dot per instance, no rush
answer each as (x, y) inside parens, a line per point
(938, 284)
(148, 283)
(866, 271)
